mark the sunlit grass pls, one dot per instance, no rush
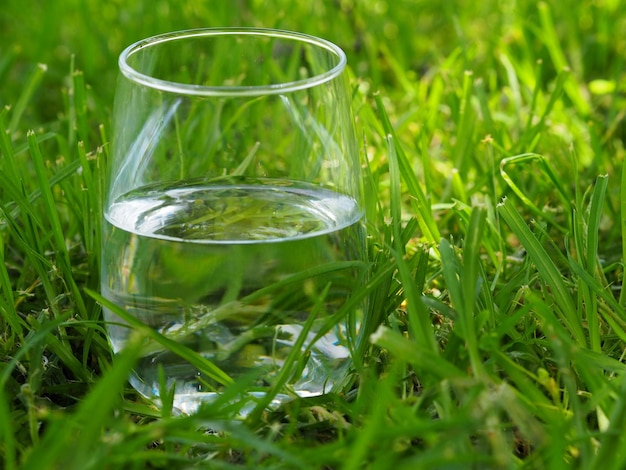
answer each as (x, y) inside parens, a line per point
(493, 147)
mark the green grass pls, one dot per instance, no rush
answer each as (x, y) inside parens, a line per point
(493, 146)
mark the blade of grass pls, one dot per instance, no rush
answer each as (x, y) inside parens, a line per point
(466, 124)
(514, 83)
(9, 166)
(55, 224)
(419, 318)
(591, 258)
(31, 86)
(7, 302)
(470, 282)
(377, 299)
(245, 163)
(297, 350)
(91, 212)
(532, 133)
(418, 315)
(550, 274)
(78, 107)
(586, 301)
(553, 44)
(547, 170)
(89, 217)
(9, 54)
(455, 281)
(538, 76)
(423, 209)
(395, 198)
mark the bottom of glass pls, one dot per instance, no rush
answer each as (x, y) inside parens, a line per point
(242, 403)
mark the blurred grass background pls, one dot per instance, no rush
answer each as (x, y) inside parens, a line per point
(493, 138)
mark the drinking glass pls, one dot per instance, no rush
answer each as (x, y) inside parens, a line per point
(233, 212)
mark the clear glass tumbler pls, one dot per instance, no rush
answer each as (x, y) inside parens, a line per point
(233, 215)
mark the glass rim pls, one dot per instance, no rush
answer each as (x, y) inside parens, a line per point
(225, 90)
